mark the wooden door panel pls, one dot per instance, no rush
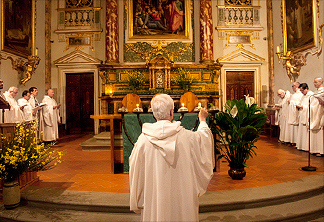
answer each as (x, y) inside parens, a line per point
(239, 84)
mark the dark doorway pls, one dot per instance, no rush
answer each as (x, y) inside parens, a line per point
(238, 84)
(79, 102)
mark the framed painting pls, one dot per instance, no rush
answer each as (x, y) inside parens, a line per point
(18, 27)
(299, 25)
(158, 19)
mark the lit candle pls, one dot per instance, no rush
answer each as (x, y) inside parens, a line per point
(110, 91)
(278, 49)
(36, 51)
(137, 105)
(199, 105)
(182, 104)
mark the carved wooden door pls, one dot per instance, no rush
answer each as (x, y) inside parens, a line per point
(238, 84)
(79, 102)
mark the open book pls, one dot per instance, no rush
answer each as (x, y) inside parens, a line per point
(40, 106)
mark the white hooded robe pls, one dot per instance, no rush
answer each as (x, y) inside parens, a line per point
(51, 118)
(169, 168)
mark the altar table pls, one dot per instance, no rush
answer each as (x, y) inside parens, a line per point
(134, 130)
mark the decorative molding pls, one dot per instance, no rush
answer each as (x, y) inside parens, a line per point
(241, 56)
(77, 57)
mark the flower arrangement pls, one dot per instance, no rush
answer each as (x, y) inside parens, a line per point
(136, 79)
(20, 153)
(183, 79)
(238, 128)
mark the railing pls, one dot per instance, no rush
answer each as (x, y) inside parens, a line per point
(238, 15)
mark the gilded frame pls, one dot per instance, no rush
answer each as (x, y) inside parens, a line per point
(299, 33)
(134, 35)
(18, 27)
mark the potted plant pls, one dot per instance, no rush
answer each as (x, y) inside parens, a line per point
(183, 79)
(136, 79)
(238, 128)
(19, 153)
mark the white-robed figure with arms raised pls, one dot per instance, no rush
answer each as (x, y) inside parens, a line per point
(51, 117)
(170, 167)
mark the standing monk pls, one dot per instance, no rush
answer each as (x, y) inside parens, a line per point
(170, 167)
(51, 117)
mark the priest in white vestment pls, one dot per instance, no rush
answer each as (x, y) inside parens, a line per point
(27, 108)
(33, 101)
(282, 109)
(317, 119)
(14, 114)
(302, 137)
(51, 117)
(293, 114)
(170, 167)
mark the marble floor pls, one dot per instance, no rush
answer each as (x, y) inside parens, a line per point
(89, 170)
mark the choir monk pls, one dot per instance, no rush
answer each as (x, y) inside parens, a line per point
(33, 101)
(14, 115)
(302, 142)
(282, 115)
(170, 167)
(317, 119)
(51, 117)
(293, 114)
(27, 109)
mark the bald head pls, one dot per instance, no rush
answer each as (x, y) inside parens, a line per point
(50, 93)
(281, 93)
(318, 82)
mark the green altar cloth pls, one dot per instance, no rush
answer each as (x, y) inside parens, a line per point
(134, 130)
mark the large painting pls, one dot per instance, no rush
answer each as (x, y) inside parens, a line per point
(299, 25)
(18, 27)
(158, 19)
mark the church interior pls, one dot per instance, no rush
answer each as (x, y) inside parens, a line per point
(102, 56)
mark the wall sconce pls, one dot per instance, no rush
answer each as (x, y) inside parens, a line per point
(292, 63)
(26, 67)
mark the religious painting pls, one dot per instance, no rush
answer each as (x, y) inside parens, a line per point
(299, 25)
(18, 27)
(158, 19)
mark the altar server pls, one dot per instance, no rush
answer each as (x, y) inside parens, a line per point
(50, 117)
(170, 167)
(302, 137)
(293, 114)
(27, 109)
(14, 114)
(317, 119)
(282, 109)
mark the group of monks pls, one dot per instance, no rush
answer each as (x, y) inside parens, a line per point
(300, 116)
(27, 108)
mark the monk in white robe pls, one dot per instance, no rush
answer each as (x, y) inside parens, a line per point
(317, 120)
(293, 114)
(302, 137)
(170, 167)
(282, 109)
(51, 117)
(27, 108)
(33, 101)
(14, 114)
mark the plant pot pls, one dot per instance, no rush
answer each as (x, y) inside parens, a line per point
(11, 194)
(237, 173)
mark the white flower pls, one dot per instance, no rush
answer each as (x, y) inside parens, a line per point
(234, 111)
(249, 101)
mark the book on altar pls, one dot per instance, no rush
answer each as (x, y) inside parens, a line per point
(40, 106)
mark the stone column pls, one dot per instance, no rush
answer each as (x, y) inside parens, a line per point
(206, 32)
(270, 53)
(112, 44)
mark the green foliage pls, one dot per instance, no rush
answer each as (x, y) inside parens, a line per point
(136, 79)
(20, 153)
(183, 79)
(238, 128)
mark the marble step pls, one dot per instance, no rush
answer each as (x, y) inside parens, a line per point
(102, 142)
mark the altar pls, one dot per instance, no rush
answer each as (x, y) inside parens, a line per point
(134, 130)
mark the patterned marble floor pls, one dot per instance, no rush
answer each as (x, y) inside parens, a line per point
(89, 170)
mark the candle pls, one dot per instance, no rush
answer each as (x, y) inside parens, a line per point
(182, 104)
(199, 105)
(36, 51)
(278, 49)
(110, 91)
(137, 105)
